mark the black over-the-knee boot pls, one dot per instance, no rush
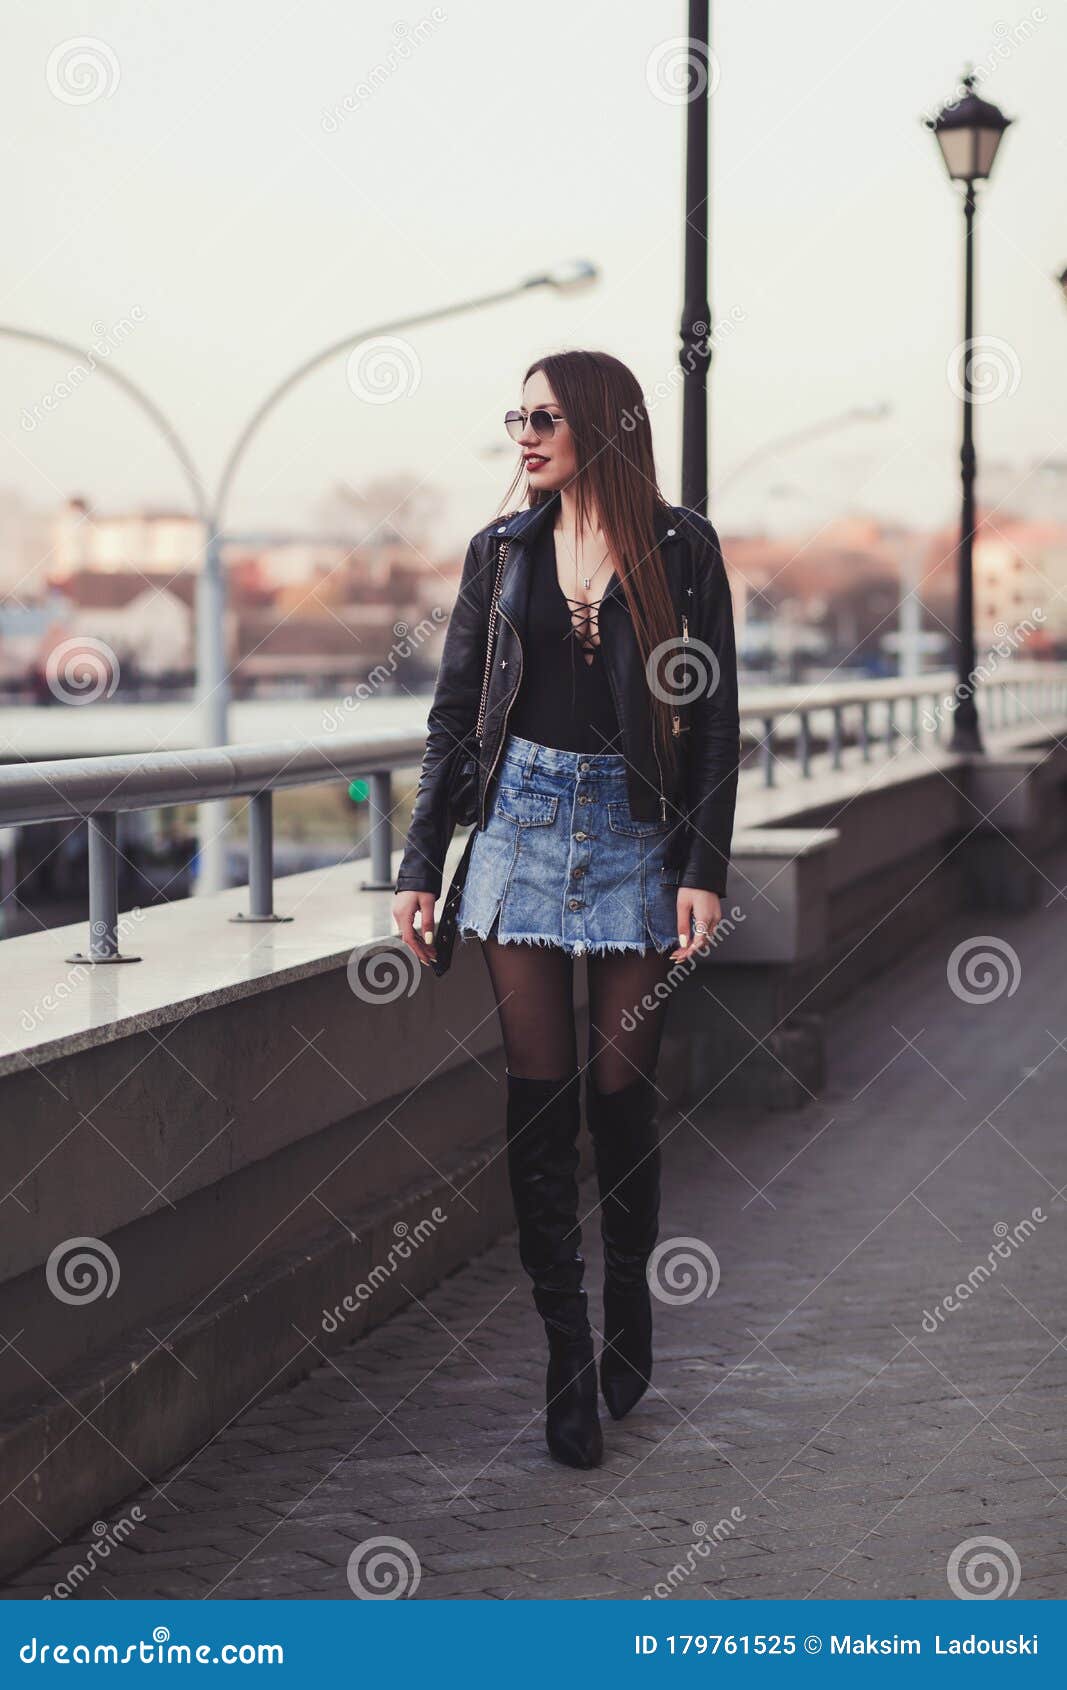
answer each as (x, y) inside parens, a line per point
(542, 1135)
(626, 1141)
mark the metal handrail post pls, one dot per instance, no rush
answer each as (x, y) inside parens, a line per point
(103, 892)
(261, 861)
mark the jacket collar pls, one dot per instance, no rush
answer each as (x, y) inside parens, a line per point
(667, 520)
(669, 523)
(526, 522)
(524, 525)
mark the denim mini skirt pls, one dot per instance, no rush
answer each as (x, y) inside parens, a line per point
(561, 860)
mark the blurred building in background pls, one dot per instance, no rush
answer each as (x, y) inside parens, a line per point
(310, 613)
(313, 614)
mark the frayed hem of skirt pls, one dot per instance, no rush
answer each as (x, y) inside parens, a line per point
(603, 948)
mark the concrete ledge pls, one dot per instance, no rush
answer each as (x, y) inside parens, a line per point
(780, 884)
(194, 957)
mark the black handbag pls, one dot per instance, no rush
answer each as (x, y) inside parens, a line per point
(463, 793)
(444, 938)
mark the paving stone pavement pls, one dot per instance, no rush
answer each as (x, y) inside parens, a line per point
(822, 1425)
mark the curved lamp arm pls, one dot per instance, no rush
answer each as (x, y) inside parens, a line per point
(162, 423)
(580, 275)
(801, 436)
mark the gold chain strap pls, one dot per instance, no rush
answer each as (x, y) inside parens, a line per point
(480, 729)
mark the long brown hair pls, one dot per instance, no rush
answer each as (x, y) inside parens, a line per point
(616, 478)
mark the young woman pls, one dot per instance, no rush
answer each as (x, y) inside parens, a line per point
(607, 778)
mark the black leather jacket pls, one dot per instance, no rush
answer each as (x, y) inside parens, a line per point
(697, 804)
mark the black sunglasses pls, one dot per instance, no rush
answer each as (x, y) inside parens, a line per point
(543, 423)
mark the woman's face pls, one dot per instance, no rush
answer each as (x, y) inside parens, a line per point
(551, 463)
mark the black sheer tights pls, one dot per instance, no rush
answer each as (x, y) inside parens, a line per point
(534, 990)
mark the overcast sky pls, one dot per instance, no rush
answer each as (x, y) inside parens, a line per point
(234, 196)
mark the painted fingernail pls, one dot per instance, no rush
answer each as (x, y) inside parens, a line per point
(428, 936)
(681, 940)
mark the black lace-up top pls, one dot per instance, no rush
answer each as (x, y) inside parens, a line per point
(565, 699)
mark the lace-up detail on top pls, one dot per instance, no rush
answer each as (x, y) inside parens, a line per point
(585, 622)
(565, 698)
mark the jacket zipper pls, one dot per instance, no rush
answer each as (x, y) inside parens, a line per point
(507, 713)
(676, 715)
(676, 728)
(659, 766)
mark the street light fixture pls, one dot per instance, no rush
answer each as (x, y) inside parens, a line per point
(969, 132)
(574, 277)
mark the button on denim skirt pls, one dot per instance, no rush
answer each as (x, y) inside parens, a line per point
(561, 860)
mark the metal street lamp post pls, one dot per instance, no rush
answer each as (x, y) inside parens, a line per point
(696, 310)
(968, 132)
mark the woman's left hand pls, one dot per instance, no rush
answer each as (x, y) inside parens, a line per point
(699, 913)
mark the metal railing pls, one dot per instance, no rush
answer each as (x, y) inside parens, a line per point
(777, 723)
(97, 790)
(780, 720)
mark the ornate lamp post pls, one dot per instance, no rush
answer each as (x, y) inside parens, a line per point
(968, 132)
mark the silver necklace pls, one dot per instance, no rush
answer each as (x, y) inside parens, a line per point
(587, 580)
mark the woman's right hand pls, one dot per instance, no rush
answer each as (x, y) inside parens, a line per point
(408, 905)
